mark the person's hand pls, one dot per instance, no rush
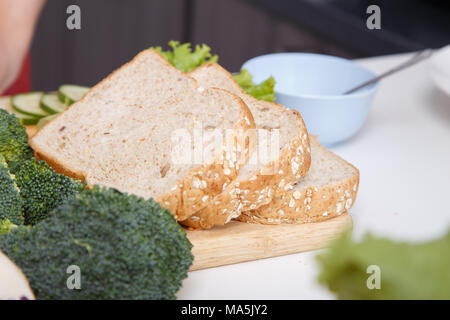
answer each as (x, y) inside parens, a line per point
(17, 21)
(10, 63)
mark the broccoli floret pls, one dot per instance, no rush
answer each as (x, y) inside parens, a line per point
(13, 141)
(10, 200)
(126, 247)
(43, 189)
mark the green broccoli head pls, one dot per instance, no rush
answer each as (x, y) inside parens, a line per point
(13, 140)
(43, 189)
(126, 248)
(10, 200)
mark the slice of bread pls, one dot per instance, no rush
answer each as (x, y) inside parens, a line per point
(329, 189)
(282, 138)
(147, 129)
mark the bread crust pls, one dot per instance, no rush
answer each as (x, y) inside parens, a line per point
(257, 189)
(186, 196)
(193, 191)
(312, 204)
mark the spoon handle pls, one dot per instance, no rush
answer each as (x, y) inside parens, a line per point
(419, 56)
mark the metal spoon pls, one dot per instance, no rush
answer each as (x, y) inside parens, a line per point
(419, 56)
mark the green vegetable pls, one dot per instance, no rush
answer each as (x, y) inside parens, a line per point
(13, 141)
(24, 120)
(10, 200)
(183, 58)
(43, 189)
(51, 104)
(126, 248)
(263, 91)
(70, 93)
(5, 103)
(407, 271)
(28, 104)
(6, 226)
(42, 122)
(32, 107)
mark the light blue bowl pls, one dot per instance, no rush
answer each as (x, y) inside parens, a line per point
(313, 84)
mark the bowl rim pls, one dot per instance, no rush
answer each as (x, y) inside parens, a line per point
(364, 92)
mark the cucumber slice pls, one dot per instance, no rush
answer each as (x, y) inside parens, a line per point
(70, 93)
(42, 122)
(51, 104)
(28, 104)
(27, 121)
(5, 103)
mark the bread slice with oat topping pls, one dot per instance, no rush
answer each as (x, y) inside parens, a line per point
(136, 131)
(329, 189)
(282, 154)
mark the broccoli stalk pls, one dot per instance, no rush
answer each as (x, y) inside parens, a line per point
(125, 246)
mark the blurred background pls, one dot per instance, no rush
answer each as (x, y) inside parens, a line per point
(113, 31)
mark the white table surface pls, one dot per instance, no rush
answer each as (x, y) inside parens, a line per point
(403, 154)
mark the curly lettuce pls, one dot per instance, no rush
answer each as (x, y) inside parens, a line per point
(405, 270)
(182, 57)
(263, 91)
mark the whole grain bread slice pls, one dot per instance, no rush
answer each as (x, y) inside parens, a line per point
(329, 189)
(281, 157)
(144, 130)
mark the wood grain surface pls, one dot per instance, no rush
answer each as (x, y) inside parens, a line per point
(239, 242)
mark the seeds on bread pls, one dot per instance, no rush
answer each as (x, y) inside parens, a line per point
(277, 127)
(328, 190)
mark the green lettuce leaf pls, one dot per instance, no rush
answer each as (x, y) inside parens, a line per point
(183, 58)
(407, 271)
(263, 91)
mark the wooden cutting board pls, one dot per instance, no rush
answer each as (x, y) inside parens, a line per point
(239, 242)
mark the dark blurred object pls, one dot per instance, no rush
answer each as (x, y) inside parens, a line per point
(113, 31)
(406, 25)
